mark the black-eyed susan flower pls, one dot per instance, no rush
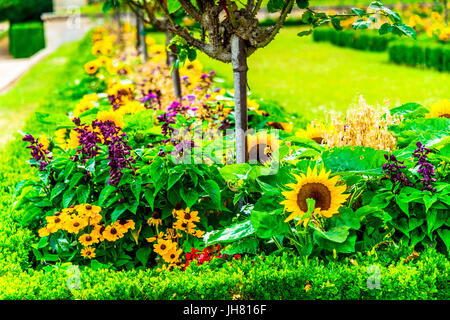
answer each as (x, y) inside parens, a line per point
(112, 233)
(155, 237)
(162, 247)
(318, 186)
(43, 232)
(88, 239)
(75, 225)
(91, 67)
(188, 215)
(88, 252)
(155, 219)
(172, 255)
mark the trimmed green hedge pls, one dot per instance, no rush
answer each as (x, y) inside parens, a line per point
(265, 278)
(25, 39)
(361, 40)
(420, 54)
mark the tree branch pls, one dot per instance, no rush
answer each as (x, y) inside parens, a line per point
(191, 10)
(275, 29)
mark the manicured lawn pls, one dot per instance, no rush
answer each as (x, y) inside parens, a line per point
(17, 104)
(309, 77)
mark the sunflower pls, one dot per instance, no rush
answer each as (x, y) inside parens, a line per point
(260, 147)
(91, 67)
(88, 252)
(43, 232)
(314, 132)
(318, 186)
(281, 126)
(184, 225)
(440, 109)
(113, 116)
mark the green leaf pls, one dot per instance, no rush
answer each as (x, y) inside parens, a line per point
(444, 234)
(302, 4)
(142, 254)
(105, 193)
(336, 22)
(429, 201)
(337, 234)
(67, 198)
(173, 5)
(75, 179)
(267, 224)
(60, 186)
(361, 24)
(136, 187)
(118, 212)
(385, 28)
(231, 171)
(149, 195)
(232, 233)
(354, 159)
(173, 178)
(246, 245)
(190, 196)
(83, 192)
(275, 5)
(213, 190)
(406, 30)
(304, 33)
(358, 12)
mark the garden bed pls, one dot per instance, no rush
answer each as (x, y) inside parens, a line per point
(32, 268)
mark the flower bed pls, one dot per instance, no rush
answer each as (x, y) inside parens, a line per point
(111, 192)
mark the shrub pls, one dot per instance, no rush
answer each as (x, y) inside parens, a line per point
(420, 54)
(366, 40)
(21, 11)
(25, 39)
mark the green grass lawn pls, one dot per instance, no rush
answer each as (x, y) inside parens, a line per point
(308, 77)
(18, 104)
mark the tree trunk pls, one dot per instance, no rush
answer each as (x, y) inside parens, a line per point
(119, 25)
(141, 35)
(171, 58)
(138, 33)
(445, 12)
(239, 63)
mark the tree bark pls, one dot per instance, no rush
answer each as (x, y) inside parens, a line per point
(239, 63)
(138, 32)
(171, 58)
(445, 12)
(141, 35)
(119, 25)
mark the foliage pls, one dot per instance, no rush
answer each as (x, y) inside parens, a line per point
(25, 39)
(21, 11)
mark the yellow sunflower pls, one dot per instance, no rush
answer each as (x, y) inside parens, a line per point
(173, 255)
(113, 116)
(313, 132)
(188, 216)
(162, 247)
(318, 186)
(440, 109)
(260, 147)
(88, 239)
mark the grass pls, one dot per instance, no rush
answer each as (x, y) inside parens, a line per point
(18, 104)
(308, 77)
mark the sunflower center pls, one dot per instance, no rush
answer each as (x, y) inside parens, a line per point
(187, 216)
(319, 140)
(163, 247)
(113, 231)
(88, 238)
(57, 220)
(446, 115)
(76, 224)
(316, 191)
(88, 207)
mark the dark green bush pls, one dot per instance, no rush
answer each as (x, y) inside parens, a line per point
(420, 54)
(25, 39)
(361, 40)
(21, 11)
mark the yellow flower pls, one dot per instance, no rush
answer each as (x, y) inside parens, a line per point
(313, 132)
(88, 239)
(91, 67)
(318, 186)
(112, 233)
(440, 109)
(260, 147)
(188, 216)
(184, 225)
(88, 252)
(172, 255)
(162, 247)
(43, 232)
(111, 115)
(44, 141)
(75, 225)
(155, 219)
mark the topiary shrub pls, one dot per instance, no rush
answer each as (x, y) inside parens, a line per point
(25, 39)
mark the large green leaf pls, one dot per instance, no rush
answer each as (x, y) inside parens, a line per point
(409, 110)
(268, 224)
(363, 160)
(232, 233)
